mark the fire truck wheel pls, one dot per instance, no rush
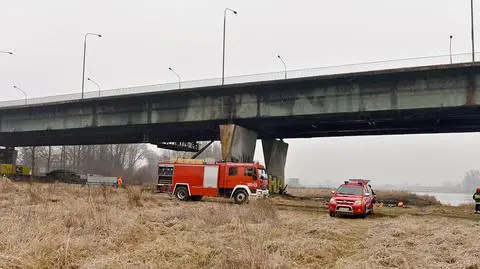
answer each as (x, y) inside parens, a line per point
(181, 193)
(240, 196)
(196, 197)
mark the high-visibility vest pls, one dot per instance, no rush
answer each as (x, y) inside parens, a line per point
(119, 181)
(476, 197)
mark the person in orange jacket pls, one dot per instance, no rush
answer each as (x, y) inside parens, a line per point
(119, 182)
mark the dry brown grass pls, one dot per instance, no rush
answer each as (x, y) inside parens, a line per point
(68, 226)
(310, 192)
(134, 195)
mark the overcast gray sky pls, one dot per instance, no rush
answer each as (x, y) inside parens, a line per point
(143, 38)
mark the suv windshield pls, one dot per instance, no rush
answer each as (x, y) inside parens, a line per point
(350, 190)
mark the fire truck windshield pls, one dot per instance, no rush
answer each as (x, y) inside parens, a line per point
(262, 174)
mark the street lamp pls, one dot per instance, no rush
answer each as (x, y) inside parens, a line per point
(451, 37)
(473, 31)
(224, 25)
(179, 79)
(84, 54)
(6, 52)
(24, 93)
(98, 86)
(284, 65)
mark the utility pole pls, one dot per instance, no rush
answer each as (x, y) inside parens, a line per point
(284, 65)
(224, 27)
(178, 76)
(84, 57)
(451, 37)
(473, 32)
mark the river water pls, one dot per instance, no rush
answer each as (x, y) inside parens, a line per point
(454, 199)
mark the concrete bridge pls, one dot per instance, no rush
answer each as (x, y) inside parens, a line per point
(430, 99)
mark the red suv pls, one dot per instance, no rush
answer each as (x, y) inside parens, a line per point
(354, 197)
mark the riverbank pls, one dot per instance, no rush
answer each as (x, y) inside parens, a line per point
(454, 199)
(69, 226)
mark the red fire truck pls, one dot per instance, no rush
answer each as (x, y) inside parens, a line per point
(195, 179)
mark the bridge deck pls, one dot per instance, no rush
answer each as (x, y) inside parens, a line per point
(426, 99)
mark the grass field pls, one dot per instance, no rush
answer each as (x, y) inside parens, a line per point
(65, 226)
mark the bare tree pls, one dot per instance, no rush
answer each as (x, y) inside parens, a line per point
(109, 160)
(148, 173)
(471, 181)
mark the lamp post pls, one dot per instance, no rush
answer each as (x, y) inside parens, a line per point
(473, 31)
(451, 37)
(224, 26)
(6, 52)
(98, 86)
(24, 93)
(179, 79)
(284, 65)
(84, 55)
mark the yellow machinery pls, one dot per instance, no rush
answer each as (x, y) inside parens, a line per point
(19, 170)
(275, 185)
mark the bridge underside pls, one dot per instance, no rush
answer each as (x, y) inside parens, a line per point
(438, 120)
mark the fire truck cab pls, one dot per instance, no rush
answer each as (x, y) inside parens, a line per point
(192, 179)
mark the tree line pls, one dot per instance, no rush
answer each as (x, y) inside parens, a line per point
(471, 181)
(136, 163)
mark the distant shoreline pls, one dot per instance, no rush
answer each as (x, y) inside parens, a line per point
(387, 188)
(441, 192)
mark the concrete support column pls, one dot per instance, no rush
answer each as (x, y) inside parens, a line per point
(238, 143)
(275, 154)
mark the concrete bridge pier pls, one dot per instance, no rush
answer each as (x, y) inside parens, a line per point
(238, 143)
(275, 154)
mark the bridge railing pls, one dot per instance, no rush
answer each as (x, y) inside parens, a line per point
(300, 73)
